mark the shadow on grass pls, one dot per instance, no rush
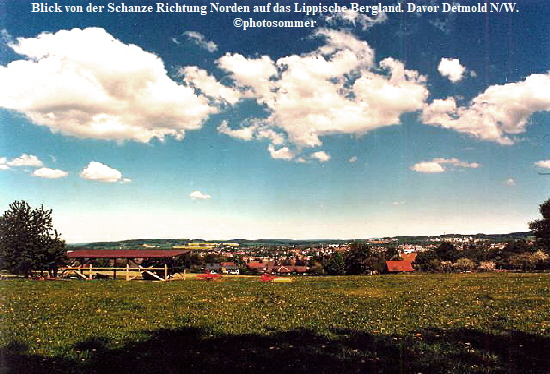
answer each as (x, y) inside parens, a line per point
(347, 351)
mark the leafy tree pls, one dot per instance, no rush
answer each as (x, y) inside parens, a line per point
(357, 258)
(428, 261)
(487, 265)
(336, 264)
(541, 227)
(361, 259)
(317, 269)
(464, 264)
(541, 259)
(392, 253)
(28, 240)
(447, 252)
(524, 261)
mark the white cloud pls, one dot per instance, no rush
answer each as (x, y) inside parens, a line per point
(100, 172)
(49, 173)
(25, 160)
(497, 113)
(209, 86)
(457, 162)
(282, 153)
(198, 195)
(201, 41)
(336, 89)
(253, 73)
(244, 133)
(437, 165)
(322, 156)
(545, 164)
(428, 167)
(451, 68)
(510, 182)
(252, 129)
(88, 84)
(356, 19)
(353, 159)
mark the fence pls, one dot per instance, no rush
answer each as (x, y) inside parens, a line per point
(88, 272)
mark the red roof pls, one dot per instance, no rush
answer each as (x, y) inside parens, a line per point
(256, 265)
(290, 269)
(300, 269)
(411, 257)
(399, 266)
(125, 253)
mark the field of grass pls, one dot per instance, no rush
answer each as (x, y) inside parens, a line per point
(461, 323)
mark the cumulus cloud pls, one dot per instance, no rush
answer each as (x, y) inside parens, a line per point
(198, 195)
(354, 18)
(49, 173)
(451, 68)
(497, 114)
(251, 129)
(440, 165)
(244, 133)
(457, 162)
(201, 41)
(428, 167)
(97, 171)
(86, 83)
(335, 89)
(209, 86)
(25, 160)
(544, 164)
(282, 153)
(251, 73)
(322, 156)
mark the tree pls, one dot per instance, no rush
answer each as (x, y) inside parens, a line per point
(428, 261)
(447, 252)
(487, 266)
(464, 264)
(392, 253)
(523, 261)
(541, 227)
(362, 259)
(335, 264)
(28, 240)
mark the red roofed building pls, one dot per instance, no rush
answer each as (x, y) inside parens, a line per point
(257, 266)
(398, 266)
(411, 257)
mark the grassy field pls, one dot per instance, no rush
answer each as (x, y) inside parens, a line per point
(462, 323)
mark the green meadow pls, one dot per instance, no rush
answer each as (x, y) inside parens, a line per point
(455, 323)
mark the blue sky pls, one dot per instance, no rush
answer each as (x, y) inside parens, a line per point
(180, 125)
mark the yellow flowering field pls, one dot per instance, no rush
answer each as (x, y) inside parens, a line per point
(456, 323)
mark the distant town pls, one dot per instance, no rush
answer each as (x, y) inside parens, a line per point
(335, 257)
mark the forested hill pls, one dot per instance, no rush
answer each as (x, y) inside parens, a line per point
(168, 243)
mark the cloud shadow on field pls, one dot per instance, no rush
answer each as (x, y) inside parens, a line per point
(194, 350)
